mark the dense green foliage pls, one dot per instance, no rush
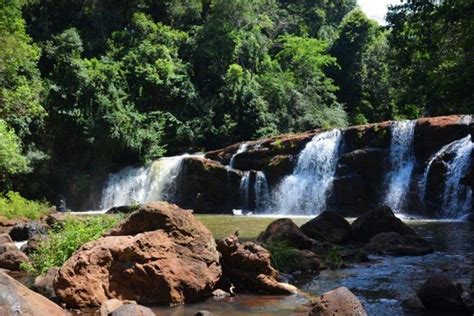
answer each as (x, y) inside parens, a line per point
(66, 238)
(282, 255)
(13, 205)
(87, 87)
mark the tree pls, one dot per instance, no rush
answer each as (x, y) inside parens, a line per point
(433, 59)
(355, 34)
(12, 161)
(20, 83)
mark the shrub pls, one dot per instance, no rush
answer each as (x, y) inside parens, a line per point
(334, 259)
(282, 255)
(13, 205)
(66, 238)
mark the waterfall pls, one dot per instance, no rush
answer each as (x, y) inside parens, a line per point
(457, 198)
(259, 190)
(154, 182)
(242, 148)
(402, 161)
(245, 191)
(262, 193)
(304, 192)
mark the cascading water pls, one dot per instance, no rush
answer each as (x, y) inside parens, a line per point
(304, 192)
(145, 184)
(242, 148)
(402, 161)
(245, 191)
(262, 193)
(457, 198)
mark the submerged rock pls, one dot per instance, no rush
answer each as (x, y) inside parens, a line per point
(379, 220)
(17, 299)
(398, 245)
(248, 266)
(440, 293)
(328, 226)
(161, 254)
(285, 230)
(340, 301)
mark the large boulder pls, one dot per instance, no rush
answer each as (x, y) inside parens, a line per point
(285, 230)
(440, 293)
(328, 226)
(398, 245)
(17, 299)
(376, 221)
(248, 266)
(340, 301)
(208, 186)
(160, 254)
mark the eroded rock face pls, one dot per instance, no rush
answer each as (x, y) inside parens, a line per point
(440, 293)
(248, 266)
(398, 245)
(340, 301)
(17, 299)
(432, 133)
(284, 229)
(160, 254)
(208, 186)
(328, 226)
(379, 220)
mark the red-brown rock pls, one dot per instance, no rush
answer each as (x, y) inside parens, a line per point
(12, 260)
(431, 133)
(248, 266)
(17, 299)
(161, 254)
(339, 302)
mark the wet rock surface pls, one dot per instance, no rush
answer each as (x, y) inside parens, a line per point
(398, 245)
(440, 293)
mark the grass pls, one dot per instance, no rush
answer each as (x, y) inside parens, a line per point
(283, 256)
(13, 205)
(64, 239)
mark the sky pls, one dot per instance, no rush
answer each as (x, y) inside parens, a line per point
(376, 9)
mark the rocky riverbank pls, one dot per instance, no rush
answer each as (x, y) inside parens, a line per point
(161, 254)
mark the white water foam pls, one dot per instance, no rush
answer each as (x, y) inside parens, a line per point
(402, 161)
(305, 191)
(154, 182)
